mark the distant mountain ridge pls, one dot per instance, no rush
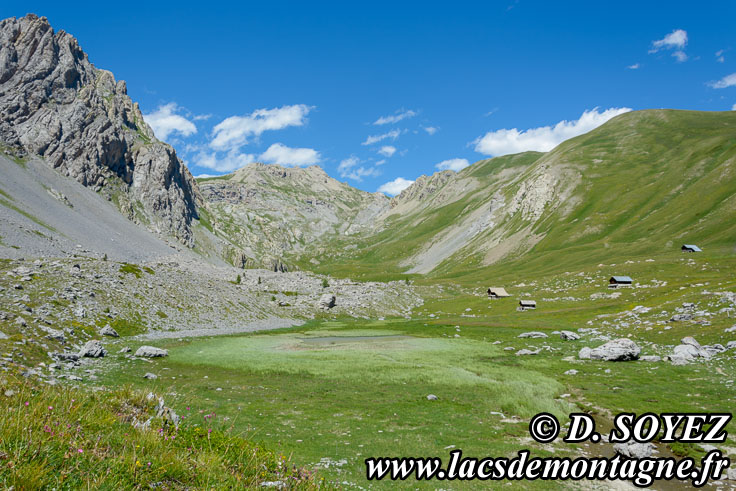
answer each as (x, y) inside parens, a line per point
(267, 212)
(643, 181)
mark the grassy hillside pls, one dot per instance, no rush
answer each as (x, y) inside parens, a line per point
(643, 183)
(650, 181)
(382, 255)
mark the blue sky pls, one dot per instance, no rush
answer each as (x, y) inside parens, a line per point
(375, 92)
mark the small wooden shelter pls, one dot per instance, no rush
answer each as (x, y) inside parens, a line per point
(494, 292)
(527, 304)
(617, 281)
(691, 248)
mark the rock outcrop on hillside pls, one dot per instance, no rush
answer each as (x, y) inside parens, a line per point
(272, 212)
(424, 188)
(55, 104)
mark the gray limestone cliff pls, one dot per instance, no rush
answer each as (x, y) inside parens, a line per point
(56, 105)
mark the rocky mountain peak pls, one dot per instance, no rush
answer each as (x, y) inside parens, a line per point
(424, 187)
(55, 104)
(279, 172)
(268, 211)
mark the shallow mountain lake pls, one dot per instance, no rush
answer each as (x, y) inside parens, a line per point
(329, 394)
(327, 340)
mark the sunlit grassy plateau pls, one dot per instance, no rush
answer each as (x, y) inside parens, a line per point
(331, 393)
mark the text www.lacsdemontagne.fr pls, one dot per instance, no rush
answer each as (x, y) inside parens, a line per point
(641, 472)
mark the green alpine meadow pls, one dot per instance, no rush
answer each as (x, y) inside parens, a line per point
(187, 304)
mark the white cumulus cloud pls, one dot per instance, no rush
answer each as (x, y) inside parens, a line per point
(347, 164)
(392, 188)
(233, 132)
(393, 135)
(544, 138)
(431, 130)
(164, 121)
(677, 39)
(396, 117)
(387, 150)
(733, 108)
(350, 168)
(635, 66)
(359, 173)
(453, 164)
(680, 55)
(280, 154)
(231, 161)
(727, 81)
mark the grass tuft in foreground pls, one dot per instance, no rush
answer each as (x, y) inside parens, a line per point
(54, 437)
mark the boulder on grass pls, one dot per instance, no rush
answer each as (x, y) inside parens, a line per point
(690, 349)
(635, 450)
(532, 334)
(687, 351)
(65, 356)
(109, 331)
(622, 349)
(569, 336)
(93, 349)
(523, 352)
(151, 352)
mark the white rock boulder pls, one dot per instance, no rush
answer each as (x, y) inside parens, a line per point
(109, 331)
(622, 349)
(93, 349)
(151, 352)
